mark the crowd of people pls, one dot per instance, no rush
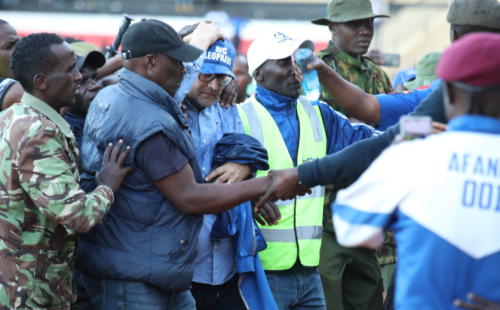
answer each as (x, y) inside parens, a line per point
(152, 180)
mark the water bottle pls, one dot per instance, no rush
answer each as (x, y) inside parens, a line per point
(310, 84)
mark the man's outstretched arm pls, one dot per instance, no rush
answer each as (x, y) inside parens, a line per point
(193, 198)
(353, 99)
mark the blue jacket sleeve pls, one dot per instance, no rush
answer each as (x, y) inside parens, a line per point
(340, 132)
(393, 106)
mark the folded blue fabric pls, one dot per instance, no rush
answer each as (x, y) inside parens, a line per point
(242, 149)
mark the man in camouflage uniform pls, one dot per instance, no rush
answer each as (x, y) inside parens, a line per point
(351, 277)
(42, 207)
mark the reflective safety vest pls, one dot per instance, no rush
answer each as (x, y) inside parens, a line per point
(299, 231)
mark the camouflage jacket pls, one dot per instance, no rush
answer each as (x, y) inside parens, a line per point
(362, 72)
(42, 207)
(372, 80)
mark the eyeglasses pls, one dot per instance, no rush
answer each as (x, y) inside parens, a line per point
(222, 79)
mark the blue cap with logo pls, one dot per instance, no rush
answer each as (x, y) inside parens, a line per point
(219, 58)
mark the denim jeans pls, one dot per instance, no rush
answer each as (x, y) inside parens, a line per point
(112, 294)
(297, 288)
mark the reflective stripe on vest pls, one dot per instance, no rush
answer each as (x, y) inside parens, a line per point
(299, 231)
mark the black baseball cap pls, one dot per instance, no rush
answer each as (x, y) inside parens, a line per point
(94, 57)
(150, 36)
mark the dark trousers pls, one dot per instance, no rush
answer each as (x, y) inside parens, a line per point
(218, 297)
(351, 276)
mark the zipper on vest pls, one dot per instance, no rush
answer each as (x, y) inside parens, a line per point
(293, 109)
(295, 200)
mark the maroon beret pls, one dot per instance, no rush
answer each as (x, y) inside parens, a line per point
(473, 60)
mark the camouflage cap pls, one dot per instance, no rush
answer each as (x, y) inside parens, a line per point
(341, 11)
(481, 13)
(426, 71)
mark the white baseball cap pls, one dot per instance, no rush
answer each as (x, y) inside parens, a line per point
(275, 45)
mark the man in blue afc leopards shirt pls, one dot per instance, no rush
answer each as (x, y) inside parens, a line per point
(215, 284)
(441, 195)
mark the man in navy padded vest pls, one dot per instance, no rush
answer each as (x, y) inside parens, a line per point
(142, 256)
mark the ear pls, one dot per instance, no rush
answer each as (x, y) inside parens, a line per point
(258, 75)
(449, 94)
(331, 27)
(150, 61)
(453, 35)
(40, 82)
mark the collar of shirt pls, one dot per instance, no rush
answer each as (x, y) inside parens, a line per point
(48, 111)
(358, 63)
(274, 102)
(475, 123)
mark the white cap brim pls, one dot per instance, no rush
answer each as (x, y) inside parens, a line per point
(287, 50)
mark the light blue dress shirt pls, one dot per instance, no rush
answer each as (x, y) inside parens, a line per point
(216, 261)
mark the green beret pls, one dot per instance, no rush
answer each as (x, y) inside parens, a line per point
(480, 13)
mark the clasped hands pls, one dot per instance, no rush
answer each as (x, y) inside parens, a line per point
(285, 185)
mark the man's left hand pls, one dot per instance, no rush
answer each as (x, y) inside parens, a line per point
(269, 213)
(228, 96)
(480, 303)
(230, 173)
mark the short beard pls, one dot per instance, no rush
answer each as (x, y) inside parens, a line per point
(193, 100)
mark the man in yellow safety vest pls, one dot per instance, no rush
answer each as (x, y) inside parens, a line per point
(294, 131)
